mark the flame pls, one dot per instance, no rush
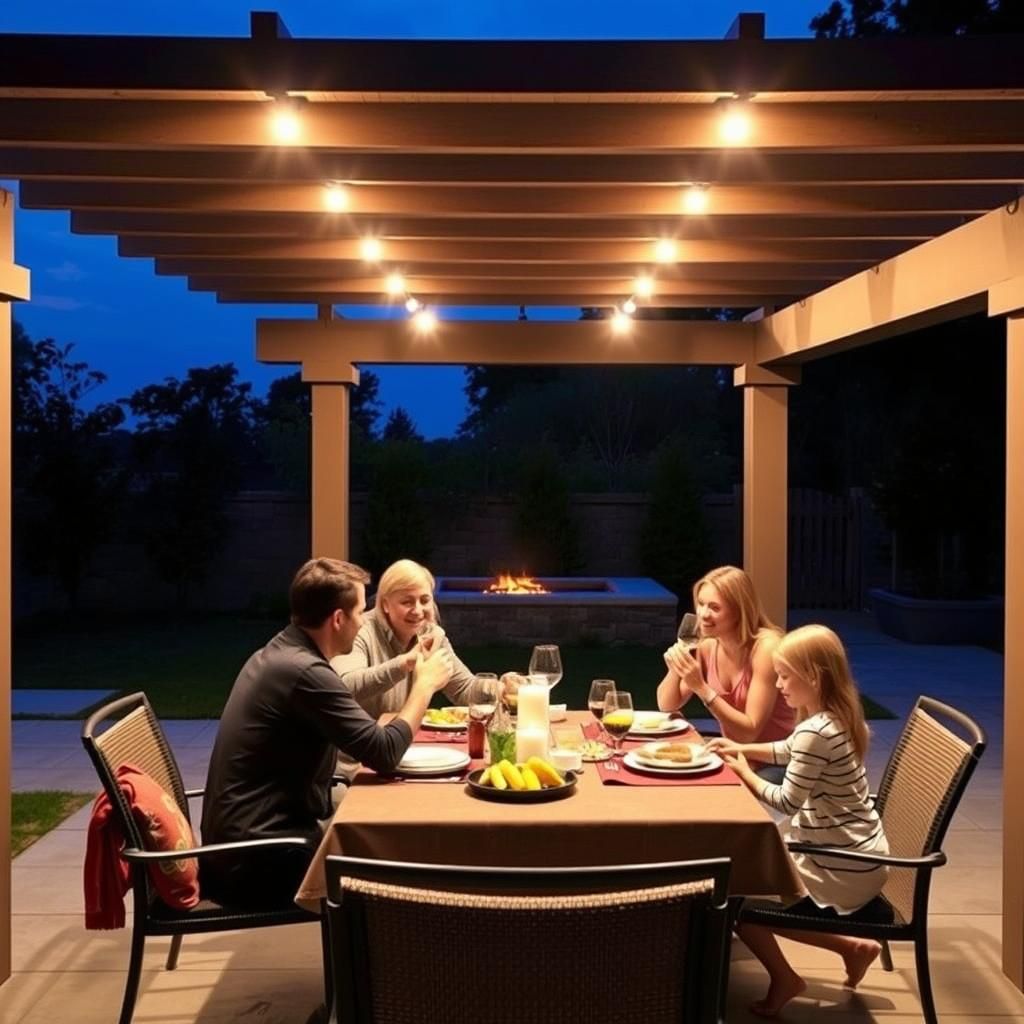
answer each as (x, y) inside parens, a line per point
(508, 584)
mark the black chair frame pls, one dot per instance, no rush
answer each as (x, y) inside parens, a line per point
(152, 917)
(916, 929)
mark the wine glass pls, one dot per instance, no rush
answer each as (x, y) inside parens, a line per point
(618, 717)
(546, 661)
(689, 633)
(483, 697)
(599, 689)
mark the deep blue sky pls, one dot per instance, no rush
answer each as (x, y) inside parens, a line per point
(138, 327)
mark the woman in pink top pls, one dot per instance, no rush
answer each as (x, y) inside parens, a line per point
(732, 672)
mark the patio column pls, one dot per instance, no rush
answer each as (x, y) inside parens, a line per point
(329, 500)
(1013, 665)
(765, 481)
(13, 285)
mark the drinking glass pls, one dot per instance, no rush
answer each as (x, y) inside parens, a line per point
(599, 689)
(546, 661)
(689, 633)
(618, 718)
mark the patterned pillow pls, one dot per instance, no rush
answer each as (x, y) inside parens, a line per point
(163, 827)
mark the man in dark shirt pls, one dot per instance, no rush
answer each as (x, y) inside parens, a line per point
(287, 716)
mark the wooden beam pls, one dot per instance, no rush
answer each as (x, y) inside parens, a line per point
(740, 167)
(1007, 297)
(689, 252)
(707, 300)
(939, 279)
(552, 203)
(339, 343)
(908, 227)
(375, 67)
(486, 127)
(497, 269)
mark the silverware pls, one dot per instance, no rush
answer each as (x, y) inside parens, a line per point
(447, 778)
(612, 765)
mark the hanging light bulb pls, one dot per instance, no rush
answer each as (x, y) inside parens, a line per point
(643, 286)
(424, 320)
(285, 123)
(412, 304)
(395, 285)
(629, 306)
(665, 250)
(335, 197)
(621, 322)
(695, 199)
(371, 250)
(735, 124)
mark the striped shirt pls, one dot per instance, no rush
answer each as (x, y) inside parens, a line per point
(826, 793)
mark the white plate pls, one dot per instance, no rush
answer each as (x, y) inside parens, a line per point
(713, 763)
(427, 759)
(446, 726)
(657, 723)
(557, 712)
(645, 754)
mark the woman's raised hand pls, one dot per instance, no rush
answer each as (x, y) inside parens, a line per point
(686, 666)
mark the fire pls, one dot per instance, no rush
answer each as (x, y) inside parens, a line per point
(508, 584)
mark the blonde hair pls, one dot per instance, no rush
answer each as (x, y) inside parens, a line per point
(737, 590)
(405, 574)
(816, 654)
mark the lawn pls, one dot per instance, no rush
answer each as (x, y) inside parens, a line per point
(187, 665)
(34, 814)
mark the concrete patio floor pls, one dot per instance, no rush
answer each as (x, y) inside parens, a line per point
(62, 972)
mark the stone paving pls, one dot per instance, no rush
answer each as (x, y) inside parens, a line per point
(275, 975)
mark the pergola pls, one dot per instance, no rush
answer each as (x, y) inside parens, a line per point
(876, 191)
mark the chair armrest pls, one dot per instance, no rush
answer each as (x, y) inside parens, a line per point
(133, 853)
(932, 860)
(191, 794)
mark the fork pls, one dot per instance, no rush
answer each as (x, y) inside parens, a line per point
(612, 765)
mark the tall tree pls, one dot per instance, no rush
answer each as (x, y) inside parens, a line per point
(65, 459)
(400, 427)
(193, 439)
(854, 18)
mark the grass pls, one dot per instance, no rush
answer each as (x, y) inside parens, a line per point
(187, 665)
(36, 813)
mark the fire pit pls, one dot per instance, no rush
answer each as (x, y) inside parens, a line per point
(609, 610)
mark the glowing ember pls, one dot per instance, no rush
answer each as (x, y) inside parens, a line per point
(506, 584)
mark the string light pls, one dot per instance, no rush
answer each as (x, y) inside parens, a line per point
(621, 322)
(395, 285)
(424, 320)
(371, 250)
(643, 286)
(735, 124)
(665, 250)
(629, 306)
(695, 199)
(285, 123)
(335, 197)
(412, 304)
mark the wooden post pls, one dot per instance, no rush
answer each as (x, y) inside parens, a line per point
(765, 482)
(13, 285)
(330, 489)
(1013, 694)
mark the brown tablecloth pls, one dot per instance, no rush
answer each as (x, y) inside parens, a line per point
(441, 823)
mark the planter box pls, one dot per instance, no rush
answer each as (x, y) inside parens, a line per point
(921, 620)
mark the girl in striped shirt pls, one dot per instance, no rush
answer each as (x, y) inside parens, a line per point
(825, 790)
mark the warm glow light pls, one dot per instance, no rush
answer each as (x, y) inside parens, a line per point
(665, 251)
(695, 199)
(643, 286)
(621, 323)
(629, 306)
(285, 125)
(424, 320)
(335, 197)
(395, 285)
(371, 250)
(735, 125)
(412, 304)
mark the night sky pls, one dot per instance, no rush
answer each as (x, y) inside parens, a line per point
(138, 328)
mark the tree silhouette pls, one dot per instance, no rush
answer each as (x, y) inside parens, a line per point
(400, 427)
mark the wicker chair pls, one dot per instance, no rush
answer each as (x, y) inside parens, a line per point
(136, 738)
(924, 780)
(420, 942)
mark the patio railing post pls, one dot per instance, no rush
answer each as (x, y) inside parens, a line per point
(766, 480)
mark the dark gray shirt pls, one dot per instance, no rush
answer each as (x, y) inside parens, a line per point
(286, 718)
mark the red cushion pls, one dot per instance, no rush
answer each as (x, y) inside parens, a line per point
(163, 827)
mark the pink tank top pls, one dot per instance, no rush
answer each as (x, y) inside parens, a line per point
(780, 722)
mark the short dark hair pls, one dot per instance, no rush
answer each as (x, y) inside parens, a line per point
(320, 587)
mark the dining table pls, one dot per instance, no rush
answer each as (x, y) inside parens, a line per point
(601, 822)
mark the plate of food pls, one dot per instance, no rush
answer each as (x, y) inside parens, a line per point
(594, 750)
(657, 723)
(446, 719)
(534, 781)
(673, 758)
(428, 759)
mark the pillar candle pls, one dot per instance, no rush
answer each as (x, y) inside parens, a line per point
(531, 742)
(533, 706)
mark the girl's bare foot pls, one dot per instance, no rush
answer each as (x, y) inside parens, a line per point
(860, 957)
(780, 992)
